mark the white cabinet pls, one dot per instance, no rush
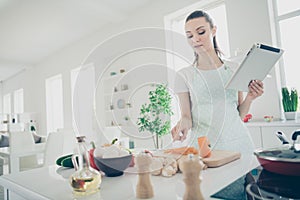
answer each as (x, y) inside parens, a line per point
(264, 133)
(269, 138)
(255, 134)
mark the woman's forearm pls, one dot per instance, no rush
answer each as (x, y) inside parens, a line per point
(244, 107)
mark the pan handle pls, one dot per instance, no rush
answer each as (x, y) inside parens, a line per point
(294, 138)
(282, 137)
(295, 135)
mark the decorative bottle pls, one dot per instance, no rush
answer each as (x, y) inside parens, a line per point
(85, 180)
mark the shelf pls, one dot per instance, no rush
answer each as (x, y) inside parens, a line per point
(117, 93)
(118, 75)
(119, 109)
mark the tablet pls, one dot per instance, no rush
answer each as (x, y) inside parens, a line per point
(256, 65)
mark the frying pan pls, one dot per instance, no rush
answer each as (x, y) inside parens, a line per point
(282, 160)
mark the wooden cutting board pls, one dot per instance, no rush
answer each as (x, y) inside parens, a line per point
(221, 157)
(217, 158)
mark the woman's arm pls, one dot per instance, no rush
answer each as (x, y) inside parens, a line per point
(185, 123)
(256, 89)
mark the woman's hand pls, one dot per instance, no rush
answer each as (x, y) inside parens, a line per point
(256, 89)
(179, 132)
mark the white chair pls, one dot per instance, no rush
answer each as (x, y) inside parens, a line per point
(70, 142)
(20, 142)
(54, 148)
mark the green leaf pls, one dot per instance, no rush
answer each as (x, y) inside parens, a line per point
(151, 114)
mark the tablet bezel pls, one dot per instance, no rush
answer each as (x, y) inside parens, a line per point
(256, 65)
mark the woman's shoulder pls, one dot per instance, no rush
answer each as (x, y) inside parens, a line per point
(186, 70)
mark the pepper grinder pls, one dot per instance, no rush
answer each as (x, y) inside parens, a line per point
(191, 168)
(144, 189)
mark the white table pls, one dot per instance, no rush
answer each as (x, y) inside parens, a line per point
(13, 158)
(52, 182)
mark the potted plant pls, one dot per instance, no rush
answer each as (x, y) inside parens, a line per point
(155, 116)
(290, 103)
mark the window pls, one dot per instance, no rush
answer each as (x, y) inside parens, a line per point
(7, 103)
(175, 23)
(287, 20)
(19, 101)
(83, 87)
(54, 103)
(176, 40)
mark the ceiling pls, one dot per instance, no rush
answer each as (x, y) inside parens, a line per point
(31, 30)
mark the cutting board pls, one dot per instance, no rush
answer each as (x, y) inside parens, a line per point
(221, 157)
(217, 158)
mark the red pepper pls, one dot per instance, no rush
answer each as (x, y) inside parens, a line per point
(91, 157)
(247, 117)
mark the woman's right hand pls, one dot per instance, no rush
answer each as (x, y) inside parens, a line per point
(179, 132)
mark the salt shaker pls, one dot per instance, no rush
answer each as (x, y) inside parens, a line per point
(144, 189)
(191, 168)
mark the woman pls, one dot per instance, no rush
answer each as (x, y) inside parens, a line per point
(207, 108)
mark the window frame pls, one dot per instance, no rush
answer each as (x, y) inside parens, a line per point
(277, 19)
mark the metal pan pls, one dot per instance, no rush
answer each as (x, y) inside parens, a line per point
(283, 160)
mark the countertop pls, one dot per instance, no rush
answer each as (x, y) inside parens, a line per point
(275, 123)
(52, 182)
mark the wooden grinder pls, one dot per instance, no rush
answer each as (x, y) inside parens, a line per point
(144, 189)
(191, 168)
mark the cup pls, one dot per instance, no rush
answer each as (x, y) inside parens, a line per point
(204, 149)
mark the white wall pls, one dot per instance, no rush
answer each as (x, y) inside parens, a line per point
(249, 23)
(33, 81)
(1, 97)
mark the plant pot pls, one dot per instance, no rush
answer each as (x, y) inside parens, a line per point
(290, 115)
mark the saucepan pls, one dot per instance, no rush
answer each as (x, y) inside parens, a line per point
(282, 160)
(271, 186)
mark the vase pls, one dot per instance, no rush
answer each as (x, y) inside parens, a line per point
(158, 142)
(290, 115)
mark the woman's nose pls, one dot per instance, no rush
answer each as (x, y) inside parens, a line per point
(196, 38)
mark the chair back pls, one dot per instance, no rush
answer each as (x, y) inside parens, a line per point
(54, 148)
(21, 142)
(70, 142)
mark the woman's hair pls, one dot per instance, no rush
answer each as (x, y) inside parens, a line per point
(200, 13)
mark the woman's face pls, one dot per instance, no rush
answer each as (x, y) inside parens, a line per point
(200, 35)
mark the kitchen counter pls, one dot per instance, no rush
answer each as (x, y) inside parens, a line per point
(52, 182)
(275, 123)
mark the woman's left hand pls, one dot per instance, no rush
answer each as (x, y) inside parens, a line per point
(256, 89)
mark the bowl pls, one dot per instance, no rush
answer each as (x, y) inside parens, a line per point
(113, 166)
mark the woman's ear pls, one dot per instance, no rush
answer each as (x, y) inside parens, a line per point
(214, 31)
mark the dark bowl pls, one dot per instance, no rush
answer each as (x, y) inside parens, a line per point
(113, 166)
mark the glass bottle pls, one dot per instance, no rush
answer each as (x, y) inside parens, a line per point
(85, 180)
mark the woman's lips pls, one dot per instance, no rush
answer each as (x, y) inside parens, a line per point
(198, 46)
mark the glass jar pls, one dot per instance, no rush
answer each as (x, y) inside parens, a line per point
(85, 180)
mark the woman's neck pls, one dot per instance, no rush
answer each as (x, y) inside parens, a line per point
(208, 61)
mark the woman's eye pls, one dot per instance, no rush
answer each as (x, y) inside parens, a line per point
(189, 36)
(201, 33)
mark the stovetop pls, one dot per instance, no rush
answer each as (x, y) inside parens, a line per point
(261, 184)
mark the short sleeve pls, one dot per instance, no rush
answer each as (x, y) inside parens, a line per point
(180, 82)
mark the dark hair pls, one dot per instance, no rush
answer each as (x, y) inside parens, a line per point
(200, 13)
